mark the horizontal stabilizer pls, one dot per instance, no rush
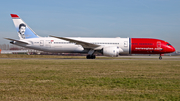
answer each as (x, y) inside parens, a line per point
(16, 40)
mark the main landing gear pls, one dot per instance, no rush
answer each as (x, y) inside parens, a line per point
(90, 57)
(91, 54)
(160, 57)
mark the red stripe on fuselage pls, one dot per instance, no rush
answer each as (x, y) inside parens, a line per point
(148, 46)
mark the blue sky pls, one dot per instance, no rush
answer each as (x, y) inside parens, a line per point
(95, 18)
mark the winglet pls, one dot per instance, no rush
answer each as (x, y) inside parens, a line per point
(14, 16)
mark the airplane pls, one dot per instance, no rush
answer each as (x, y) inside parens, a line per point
(112, 47)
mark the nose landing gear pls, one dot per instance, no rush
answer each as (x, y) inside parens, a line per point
(160, 57)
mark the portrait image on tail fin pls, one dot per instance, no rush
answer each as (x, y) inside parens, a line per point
(21, 32)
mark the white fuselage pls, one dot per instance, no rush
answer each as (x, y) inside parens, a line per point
(50, 44)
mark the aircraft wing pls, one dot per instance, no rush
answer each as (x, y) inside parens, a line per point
(16, 40)
(82, 43)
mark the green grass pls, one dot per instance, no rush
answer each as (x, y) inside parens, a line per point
(76, 80)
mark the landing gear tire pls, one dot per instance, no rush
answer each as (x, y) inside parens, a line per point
(160, 57)
(90, 57)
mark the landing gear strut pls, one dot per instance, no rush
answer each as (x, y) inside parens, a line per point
(90, 56)
(160, 57)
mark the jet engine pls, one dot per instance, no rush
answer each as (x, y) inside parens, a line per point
(112, 51)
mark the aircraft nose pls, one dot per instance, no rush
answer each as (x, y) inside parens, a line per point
(171, 49)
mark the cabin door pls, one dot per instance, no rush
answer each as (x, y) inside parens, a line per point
(158, 44)
(41, 42)
(125, 44)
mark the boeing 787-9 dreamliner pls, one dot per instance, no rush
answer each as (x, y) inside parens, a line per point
(112, 47)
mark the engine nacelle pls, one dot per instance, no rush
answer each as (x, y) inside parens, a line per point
(112, 51)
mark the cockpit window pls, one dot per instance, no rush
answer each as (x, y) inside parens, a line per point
(168, 44)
